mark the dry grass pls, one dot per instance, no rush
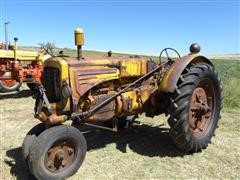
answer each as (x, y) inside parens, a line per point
(144, 151)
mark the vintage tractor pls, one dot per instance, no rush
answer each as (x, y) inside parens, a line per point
(17, 67)
(107, 93)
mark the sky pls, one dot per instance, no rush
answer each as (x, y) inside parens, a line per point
(131, 26)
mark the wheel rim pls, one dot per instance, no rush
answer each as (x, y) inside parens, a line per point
(201, 110)
(60, 156)
(9, 83)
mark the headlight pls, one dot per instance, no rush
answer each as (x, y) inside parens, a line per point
(66, 90)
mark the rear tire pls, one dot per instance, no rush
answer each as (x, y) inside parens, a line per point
(195, 108)
(57, 153)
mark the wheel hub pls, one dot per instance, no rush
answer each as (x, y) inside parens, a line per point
(9, 83)
(59, 156)
(201, 108)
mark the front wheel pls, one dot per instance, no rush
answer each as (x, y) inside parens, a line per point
(195, 108)
(57, 153)
(9, 85)
(30, 138)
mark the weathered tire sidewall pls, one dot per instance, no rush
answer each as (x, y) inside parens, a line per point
(217, 107)
(180, 103)
(30, 138)
(4, 89)
(45, 140)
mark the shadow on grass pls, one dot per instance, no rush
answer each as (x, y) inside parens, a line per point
(16, 95)
(17, 164)
(142, 139)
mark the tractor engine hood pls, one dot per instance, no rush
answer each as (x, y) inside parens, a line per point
(85, 74)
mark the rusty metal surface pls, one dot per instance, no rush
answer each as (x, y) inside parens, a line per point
(88, 73)
(83, 78)
(133, 67)
(106, 89)
(95, 71)
(133, 96)
(60, 156)
(109, 62)
(170, 79)
(134, 101)
(107, 112)
(201, 108)
(84, 75)
(51, 119)
(92, 82)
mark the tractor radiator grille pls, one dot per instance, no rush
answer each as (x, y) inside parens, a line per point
(51, 82)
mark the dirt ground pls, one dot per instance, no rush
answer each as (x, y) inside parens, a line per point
(144, 151)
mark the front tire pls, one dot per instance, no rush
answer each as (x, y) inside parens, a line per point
(30, 138)
(9, 86)
(57, 153)
(195, 108)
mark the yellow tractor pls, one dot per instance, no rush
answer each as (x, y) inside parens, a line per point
(109, 93)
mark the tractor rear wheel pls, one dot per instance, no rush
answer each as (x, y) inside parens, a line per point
(9, 85)
(195, 108)
(57, 153)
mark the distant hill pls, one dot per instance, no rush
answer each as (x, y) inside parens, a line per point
(98, 54)
(86, 53)
(226, 56)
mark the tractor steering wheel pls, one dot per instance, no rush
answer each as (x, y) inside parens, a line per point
(167, 54)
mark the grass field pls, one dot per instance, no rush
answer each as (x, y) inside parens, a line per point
(144, 151)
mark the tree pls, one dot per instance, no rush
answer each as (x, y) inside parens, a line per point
(48, 47)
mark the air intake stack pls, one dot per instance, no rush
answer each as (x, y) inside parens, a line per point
(79, 41)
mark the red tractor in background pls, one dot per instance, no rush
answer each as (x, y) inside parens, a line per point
(18, 66)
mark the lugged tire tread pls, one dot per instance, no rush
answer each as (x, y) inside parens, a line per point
(180, 135)
(43, 139)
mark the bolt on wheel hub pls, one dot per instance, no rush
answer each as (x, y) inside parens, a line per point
(60, 156)
(201, 108)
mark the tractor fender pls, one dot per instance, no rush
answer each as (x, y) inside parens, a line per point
(171, 77)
